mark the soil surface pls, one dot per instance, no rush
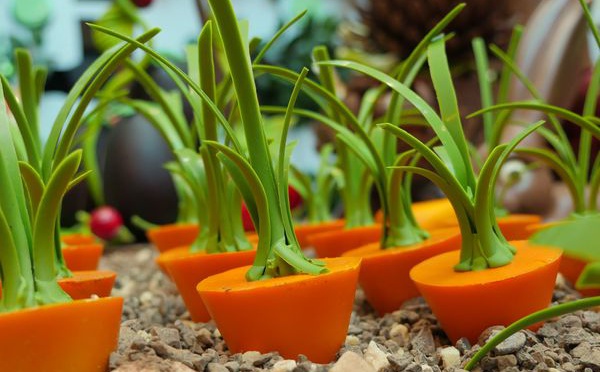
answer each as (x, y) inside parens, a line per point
(158, 335)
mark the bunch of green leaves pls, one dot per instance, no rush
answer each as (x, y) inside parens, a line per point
(575, 167)
(35, 178)
(45, 157)
(471, 195)
(263, 187)
(358, 137)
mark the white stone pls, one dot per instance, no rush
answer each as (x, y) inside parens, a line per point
(217, 333)
(286, 365)
(146, 298)
(352, 340)
(426, 368)
(450, 356)
(376, 357)
(352, 362)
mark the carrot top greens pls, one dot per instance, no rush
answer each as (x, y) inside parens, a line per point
(261, 181)
(359, 136)
(35, 178)
(471, 195)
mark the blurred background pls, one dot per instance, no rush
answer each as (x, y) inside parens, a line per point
(131, 154)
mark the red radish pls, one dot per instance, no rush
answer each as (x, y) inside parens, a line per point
(142, 3)
(295, 197)
(246, 219)
(105, 222)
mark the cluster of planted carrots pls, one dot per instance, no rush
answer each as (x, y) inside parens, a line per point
(464, 254)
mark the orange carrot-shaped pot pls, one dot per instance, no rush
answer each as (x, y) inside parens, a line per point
(466, 303)
(303, 231)
(77, 239)
(82, 256)
(187, 269)
(85, 284)
(171, 236)
(518, 226)
(298, 314)
(431, 214)
(384, 273)
(70, 337)
(335, 243)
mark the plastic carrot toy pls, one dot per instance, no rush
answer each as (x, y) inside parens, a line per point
(467, 290)
(280, 272)
(37, 306)
(575, 167)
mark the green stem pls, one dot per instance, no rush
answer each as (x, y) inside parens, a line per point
(529, 320)
(585, 142)
(260, 159)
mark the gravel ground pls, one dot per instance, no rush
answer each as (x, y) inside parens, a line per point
(158, 335)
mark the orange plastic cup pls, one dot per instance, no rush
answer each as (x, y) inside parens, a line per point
(296, 314)
(77, 239)
(83, 256)
(72, 337)
(518, 226)
(303, 231)
(384, 273)
(335, 243)
(171, 236)
(188, 269)
(466, 303)
(85, 284)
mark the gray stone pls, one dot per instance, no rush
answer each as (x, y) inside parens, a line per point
(262, 360)
(548, 330)
(232, 366)
(582, 349)
(352, 362)
(216, 367)
(169, 336)
(203, 336)
(186, 333)
(286, 365)
(250, 356)
(184, 356)
(511, 345)
(423, 341)
(591, 360)
(399, 361)
(569, 321)
(126, 337)
(463, 345)
(405, 316)
(505, 361)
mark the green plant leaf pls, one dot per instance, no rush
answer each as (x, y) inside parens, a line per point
(450, 114)
(169, 67)
(255, 197)
(44, 225)
(34, 184)
(277, 35)
(60, 138)
(436, 123)
(31, 146)
(485, 86)
(589, 277)
(573, 235)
